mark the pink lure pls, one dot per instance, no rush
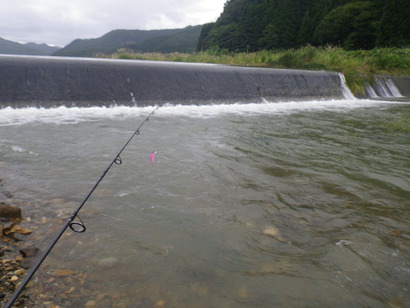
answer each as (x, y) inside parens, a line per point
(152, 157)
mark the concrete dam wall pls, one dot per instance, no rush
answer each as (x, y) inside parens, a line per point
(53, 81)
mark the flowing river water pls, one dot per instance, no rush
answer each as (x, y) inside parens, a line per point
(252, 205)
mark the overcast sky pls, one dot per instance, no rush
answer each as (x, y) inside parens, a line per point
(58, 22)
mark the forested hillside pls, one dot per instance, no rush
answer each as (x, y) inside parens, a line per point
(251, 25)
(10, 47)
(109, 42)
(184, 40)
(167, 40)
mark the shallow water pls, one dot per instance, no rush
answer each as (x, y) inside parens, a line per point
(255, 205)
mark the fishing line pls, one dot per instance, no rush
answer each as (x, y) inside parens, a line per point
(77, 226)
(70, 243)
(61, 260)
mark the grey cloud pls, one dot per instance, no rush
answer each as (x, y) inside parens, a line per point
(58, 22)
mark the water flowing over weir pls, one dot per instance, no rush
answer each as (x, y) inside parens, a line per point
(389, 87)
(52, 81)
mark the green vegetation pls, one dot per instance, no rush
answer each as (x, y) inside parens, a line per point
(359, 38)
(253, 25)
(167, 40)
(357, 66)
(14, 48)
(184, 41)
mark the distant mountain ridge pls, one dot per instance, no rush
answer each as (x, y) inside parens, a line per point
(167, 40)
(32, 49)
(184, 41)
(43, 48)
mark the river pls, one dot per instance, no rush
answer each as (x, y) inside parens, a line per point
(297, 204)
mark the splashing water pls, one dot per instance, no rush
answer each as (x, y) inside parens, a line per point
(250, 205)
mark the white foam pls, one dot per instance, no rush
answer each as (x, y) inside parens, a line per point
(371, 92)
(17, 148)
(252, 109)
(343, 243)
(393, 89)
(65, 115)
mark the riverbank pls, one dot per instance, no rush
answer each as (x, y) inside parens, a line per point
(12, 234)
(20, 232)
(359, 67)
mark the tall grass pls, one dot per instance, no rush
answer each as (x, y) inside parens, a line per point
(359, 67)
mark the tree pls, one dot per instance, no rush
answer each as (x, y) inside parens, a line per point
(352, 26)
(288, 23)
(203, 42)
(270, 39)
(282, 25)
(250, 25)
(306, 29)
(394, 28)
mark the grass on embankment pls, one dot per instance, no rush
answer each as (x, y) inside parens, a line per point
(359, 67)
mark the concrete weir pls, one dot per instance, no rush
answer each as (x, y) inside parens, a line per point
(55, 81)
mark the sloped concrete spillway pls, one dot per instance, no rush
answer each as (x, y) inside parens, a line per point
(53, 81)
(389, 87)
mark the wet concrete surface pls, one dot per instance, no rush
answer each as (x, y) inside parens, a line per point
(54, 81)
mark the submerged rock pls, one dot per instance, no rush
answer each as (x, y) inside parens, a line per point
(62, 273)
(9, 211)
(271, 231)
(17, 229)
(29, 251)
(108, 262)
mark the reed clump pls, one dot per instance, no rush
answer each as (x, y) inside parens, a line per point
(358, 66)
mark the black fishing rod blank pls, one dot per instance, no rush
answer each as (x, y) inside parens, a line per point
(78, 226)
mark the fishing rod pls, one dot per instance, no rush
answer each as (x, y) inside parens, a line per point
(76, 226)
